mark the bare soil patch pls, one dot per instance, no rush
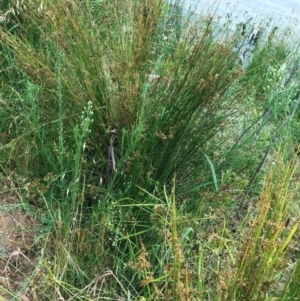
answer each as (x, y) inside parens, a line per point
(17, 261)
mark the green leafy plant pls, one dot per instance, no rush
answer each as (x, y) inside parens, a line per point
(103, 103)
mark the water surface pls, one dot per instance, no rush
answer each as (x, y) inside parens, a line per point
(282, 12)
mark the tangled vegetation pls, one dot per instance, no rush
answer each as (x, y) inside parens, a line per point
(157, 151)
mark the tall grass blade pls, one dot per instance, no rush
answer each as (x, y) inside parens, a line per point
(211, 165)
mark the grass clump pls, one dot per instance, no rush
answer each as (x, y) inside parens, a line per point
(103, 103)
(132, 78)
(256, 271)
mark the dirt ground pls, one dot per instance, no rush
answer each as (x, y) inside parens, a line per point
(17, 259)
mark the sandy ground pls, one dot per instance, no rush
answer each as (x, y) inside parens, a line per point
(17, 260)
